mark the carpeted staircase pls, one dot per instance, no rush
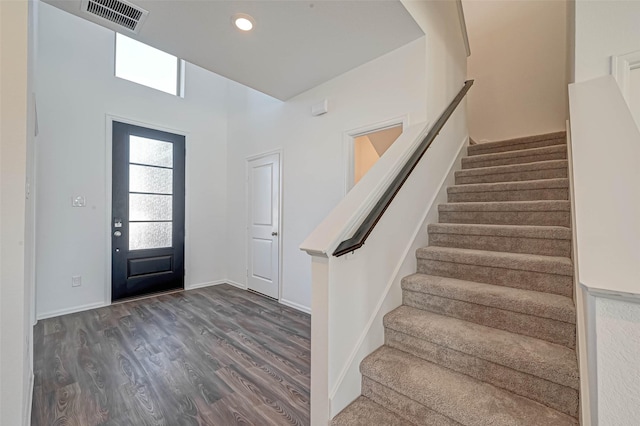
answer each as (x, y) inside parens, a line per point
(486, 332)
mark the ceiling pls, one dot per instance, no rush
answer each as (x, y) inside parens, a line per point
(294, 46)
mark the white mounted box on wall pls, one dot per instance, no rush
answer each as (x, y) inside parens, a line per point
(320, 108)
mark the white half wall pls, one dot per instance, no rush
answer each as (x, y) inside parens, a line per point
(606, 149)
(77, 90)
(313, 164)
(519, 63)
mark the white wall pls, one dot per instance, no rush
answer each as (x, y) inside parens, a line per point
(314, 164)
(604, 28)
(77, 90)
(519, 63)
(16, 129)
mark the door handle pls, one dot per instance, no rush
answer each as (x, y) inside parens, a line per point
(117, 234)
(274, 234)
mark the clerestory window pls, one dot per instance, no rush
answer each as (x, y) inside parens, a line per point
(146, 65)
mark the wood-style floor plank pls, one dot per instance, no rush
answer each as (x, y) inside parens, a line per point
(218, 356)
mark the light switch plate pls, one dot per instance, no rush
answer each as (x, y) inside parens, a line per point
(78, 201)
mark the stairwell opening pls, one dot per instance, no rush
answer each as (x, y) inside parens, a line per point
(366, 146)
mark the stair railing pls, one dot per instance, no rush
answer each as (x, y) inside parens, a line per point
(366, 227)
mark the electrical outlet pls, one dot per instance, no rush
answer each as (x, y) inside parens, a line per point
(76, 281)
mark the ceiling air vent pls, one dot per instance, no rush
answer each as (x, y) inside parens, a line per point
(120, 12)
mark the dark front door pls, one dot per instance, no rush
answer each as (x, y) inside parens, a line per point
(147, 223)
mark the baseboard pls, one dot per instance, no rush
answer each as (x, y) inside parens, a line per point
(26, 416)
(395, 278)
(73, 310)
(202, 285)
(296, 306)
(235, 284)
(95, 305)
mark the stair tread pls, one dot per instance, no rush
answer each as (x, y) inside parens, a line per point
(365, 412)
(454, 395)
(515, 154)
(501, 206)
(529, 355)
(496, 259)
(510, 186)
(518, 141)
(525, 231)
(536, 303)
(514, 168)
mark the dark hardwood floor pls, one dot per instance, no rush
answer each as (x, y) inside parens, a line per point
(214, 356)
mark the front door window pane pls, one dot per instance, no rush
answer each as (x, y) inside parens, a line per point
(150, 152)
(143, 207)
(149, 235)
(151, 180)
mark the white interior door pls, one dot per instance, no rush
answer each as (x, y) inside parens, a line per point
(263, 271)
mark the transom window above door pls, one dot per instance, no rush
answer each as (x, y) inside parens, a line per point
(146, 65)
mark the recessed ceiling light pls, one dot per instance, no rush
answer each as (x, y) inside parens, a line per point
(243, 22)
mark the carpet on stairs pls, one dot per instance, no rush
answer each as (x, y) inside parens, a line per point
(486, 331)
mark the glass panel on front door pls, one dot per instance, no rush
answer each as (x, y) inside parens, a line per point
(150, 193)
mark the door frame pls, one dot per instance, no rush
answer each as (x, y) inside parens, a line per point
(349, 137)
(280, 153)
(109, 119)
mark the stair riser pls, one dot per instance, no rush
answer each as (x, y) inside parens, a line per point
(539, 218)
(527, 280)
(517, 195)
(408, 409)
(476, 162)
(455, 395)
(550, 330)
(461, 179)
(481, 149)
(545, 247)
(561, 398)
(364, 411)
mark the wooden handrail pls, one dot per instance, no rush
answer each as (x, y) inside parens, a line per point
(360, 236)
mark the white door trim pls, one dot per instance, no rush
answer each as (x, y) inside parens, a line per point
(280, 153)
(109, 119)
(349, 137)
